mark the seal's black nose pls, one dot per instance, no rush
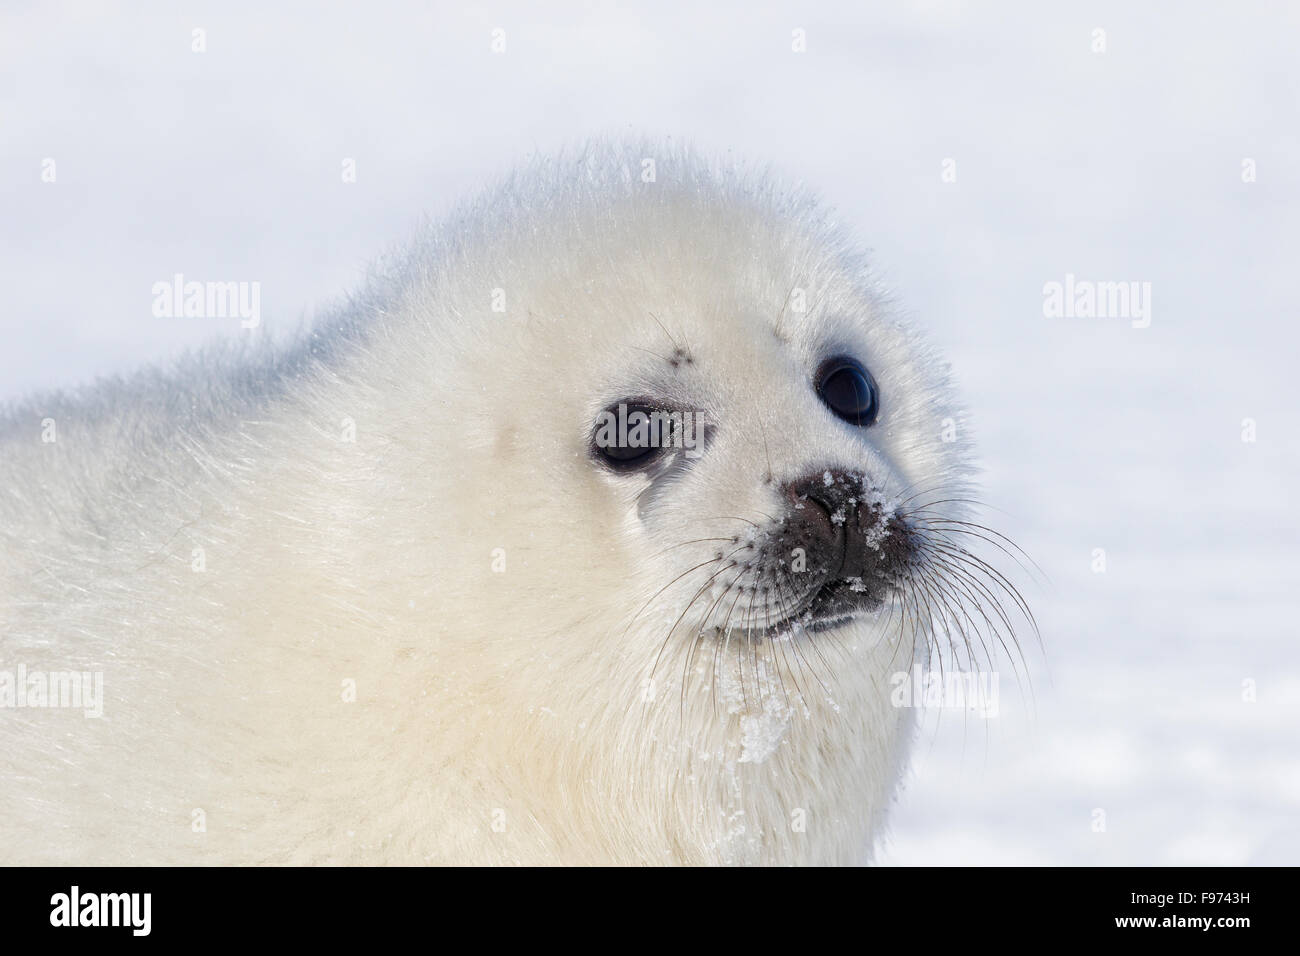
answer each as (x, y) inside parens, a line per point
(833, 490)
(845, 525)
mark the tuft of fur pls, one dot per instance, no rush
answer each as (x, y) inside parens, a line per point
(405, 503)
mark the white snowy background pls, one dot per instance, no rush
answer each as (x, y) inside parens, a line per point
(1122, 165)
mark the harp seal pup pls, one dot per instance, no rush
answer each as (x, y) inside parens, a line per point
(419, 589)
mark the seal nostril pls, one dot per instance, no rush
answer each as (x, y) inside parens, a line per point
(834, 492)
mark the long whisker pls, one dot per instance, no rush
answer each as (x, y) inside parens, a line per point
(785, 639)
(725, 642)
(953, 585)
(699, 634)
(685, 610)
(1000, 579)
(702, 564)
(964, 573)
(805, 663)
(982, 532)
(682, 544)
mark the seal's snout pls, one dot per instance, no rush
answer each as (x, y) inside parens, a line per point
(854, 542)
(818, 507)
(841, 516)
(836, 492)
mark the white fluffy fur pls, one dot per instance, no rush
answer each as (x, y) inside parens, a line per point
(500, 717)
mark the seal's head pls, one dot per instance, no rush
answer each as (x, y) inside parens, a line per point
(614, 508)
(704, 484)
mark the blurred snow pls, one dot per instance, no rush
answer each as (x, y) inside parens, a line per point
(1114, 166)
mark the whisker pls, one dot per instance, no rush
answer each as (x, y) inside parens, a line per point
(954, 583)
(682, 544)
(785, 613)
(795, 645)
(690, 604)
(699, 634)
(1000, 579)
(943, 524)
(702, 564)
(723, 643)
(963, 573)
(943, 615)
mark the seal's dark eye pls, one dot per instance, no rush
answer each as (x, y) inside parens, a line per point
(631, 435)
(848, 390)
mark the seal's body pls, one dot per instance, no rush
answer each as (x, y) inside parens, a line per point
(390, 597)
